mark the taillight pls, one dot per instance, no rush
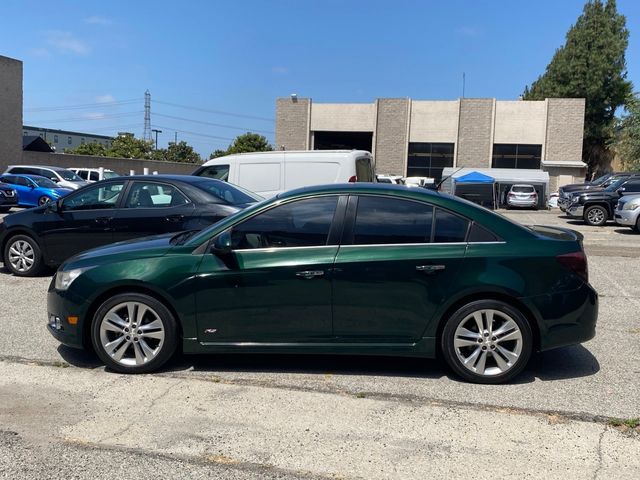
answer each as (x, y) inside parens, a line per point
(576, 262)
(353, 179)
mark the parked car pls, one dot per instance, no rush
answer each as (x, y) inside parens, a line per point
(522, 195)
(8, 198)
(371, 269)
(269, 173)
(63, 177)
(111, 211)
(595, 207)
(552, 201)
(627, 212)
(34, 190)
(94, 174)
(566, 191)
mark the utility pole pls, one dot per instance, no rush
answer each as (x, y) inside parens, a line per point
(156, 132)
(147, 117)
(175, 137)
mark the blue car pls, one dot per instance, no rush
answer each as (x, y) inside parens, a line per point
(34, 190)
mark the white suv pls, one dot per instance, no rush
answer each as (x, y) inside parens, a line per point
(94, 174)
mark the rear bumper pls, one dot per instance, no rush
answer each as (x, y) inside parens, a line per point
(566, 318)
(522, 203)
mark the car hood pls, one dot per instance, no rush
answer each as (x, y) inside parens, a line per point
(62, 191)
(145, 247)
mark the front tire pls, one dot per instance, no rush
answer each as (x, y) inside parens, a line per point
(134, 333)
(487, 341)
(43, 200)
(596, 216)
(22, 256)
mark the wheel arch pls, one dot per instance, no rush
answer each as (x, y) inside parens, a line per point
(599, 203)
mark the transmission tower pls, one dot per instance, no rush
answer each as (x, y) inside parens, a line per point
(147, 116)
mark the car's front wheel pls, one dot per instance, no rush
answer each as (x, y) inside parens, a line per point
(22, 256)
(596, 216)
(43, 200)
(134, 333)
(487, 341)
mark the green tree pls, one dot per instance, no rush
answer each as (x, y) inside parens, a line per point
(93, 148)
(247, 142)
(591, 65)
(626, 143)
(128, 146)
(181, 152)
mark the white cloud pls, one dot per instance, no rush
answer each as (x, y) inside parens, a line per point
(108, 98)
(467, 31)
(66, 42)
(98, 20)
(280, 70)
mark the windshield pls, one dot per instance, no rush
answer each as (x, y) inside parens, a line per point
(44, 182)
(108, 174)
(600, 180)
(69, 175)
(227, 192)
(615, 185)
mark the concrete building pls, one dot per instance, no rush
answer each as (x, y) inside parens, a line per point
(421, 137)
(62, 140)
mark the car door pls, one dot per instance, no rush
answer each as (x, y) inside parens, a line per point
(397, 261)
(275, 285)
(83, 220)
(152, 208)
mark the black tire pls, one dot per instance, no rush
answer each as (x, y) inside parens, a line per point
(165, 349)
(493, 374)
(596, 216)
(636, 227)
(4, 209)
(17, 244)
(43, 200)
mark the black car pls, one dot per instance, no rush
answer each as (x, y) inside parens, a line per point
(8, 198)
(114, 210)
(595, 207)
(566, 191)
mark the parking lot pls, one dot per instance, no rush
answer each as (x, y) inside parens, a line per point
(274, 416)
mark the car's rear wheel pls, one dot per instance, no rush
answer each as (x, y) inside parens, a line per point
(596, 216)
(134, 333)
(22, 256)
(43, 200)
(487, 341)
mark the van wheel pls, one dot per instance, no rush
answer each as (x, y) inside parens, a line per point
(22, 256)
(487, 341)
(596, 216)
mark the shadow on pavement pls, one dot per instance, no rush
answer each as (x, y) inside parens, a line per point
(563, 363)
(79, 358)
(625, 231)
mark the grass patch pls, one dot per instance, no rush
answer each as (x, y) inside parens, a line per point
(361, 395)
(629, 422)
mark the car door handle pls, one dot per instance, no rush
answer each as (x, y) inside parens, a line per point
(175, 218)
(103, 220)
(428, 269)
(309, 274)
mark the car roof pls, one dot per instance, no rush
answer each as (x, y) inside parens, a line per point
(57, 169)
(361, 187)
(169, 177)
(26, 175)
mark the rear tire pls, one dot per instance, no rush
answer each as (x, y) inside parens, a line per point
(596, 216)
(134, 333)
(22, 256)
(487, 341)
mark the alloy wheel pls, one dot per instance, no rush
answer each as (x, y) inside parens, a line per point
(131, 333)
(488, 342)
(21, 256)
(595, 216)
(43, 200)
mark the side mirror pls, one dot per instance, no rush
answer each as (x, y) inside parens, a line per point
(55, 206)
(221, 245)
(621, 191)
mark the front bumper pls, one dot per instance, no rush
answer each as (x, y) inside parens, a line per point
(60, 307)
(576, 211)
(626, 217)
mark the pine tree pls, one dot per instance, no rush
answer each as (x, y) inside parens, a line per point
(591, 65)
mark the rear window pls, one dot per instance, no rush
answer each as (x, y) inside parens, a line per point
(227, 192)
(364, 172)
(522, 189)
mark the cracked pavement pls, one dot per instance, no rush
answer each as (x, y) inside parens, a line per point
(295, 417)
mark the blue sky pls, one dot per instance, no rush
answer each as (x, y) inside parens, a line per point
(238, 56)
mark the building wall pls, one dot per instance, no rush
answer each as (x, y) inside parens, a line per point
(520, 122)
(559, 176)
(391, 139)
(474, 132)
(343, 117)
(10, 109)
(565, 128)
(62, 139)
(120, 165)
(434, 121)
(292, 123)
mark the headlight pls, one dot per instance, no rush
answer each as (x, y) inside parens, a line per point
(64, 278)
(630, 206)
(575, 199)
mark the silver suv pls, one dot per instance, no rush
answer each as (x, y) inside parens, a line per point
(627, 212)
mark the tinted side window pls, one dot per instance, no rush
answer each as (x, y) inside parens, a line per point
(95, 176)
(45, 173)
(382, 220)
(220, 172)
(632, 187)
(22, 181)
(94, 198)
(479, 234)
(152, 194)
(8, 179)
(304, 223)
(449, 227)
(82, 174)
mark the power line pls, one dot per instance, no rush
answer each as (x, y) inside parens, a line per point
(82, 106)
(92, 119)
(194, 133)
(219, 112)
(233, 127)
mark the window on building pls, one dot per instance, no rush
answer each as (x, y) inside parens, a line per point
(508, 155)
(429, 159)
(68, 140)
(55, 138)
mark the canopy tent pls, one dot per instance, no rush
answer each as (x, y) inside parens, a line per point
(477, 188)
(475, 177)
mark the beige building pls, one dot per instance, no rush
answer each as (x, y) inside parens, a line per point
(422, 137)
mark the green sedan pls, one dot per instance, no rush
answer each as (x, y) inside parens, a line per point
(362, 269)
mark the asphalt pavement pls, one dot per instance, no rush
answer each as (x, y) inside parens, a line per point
(272, 416)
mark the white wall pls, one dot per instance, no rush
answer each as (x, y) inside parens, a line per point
(520, 122)
(343, 117)
(434, 121)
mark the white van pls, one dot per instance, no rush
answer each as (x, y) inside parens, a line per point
(269, 173)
